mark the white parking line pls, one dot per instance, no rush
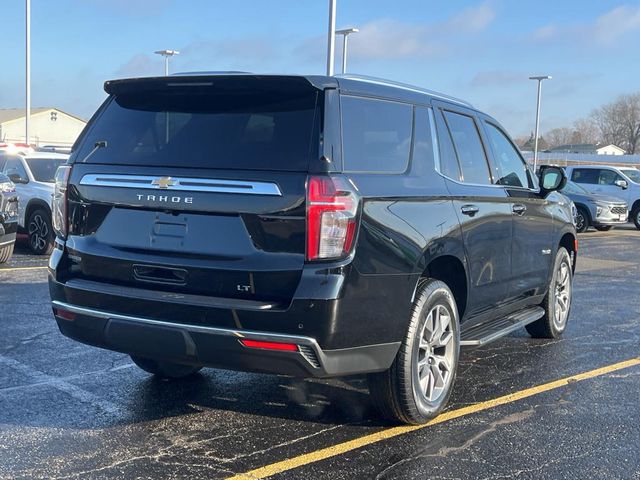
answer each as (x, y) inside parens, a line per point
(59, 384)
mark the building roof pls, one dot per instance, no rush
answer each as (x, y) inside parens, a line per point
(575, 148)
(9, 114)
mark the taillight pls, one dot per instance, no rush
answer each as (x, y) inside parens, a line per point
(59, 214)
(332, 205)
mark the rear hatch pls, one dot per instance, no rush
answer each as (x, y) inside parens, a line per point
(196, 185)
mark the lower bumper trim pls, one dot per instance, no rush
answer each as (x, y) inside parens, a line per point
(218, 347)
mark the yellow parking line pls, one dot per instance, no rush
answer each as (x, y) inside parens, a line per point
(341, 448)
(15, 269)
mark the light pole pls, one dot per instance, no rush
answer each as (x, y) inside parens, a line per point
(540, 79)
(345, 32)
(27, 110)
(166, 54)
(331, 37)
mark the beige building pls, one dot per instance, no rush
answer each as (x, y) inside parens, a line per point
(49, 126)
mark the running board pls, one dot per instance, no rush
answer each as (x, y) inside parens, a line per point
(487, 332)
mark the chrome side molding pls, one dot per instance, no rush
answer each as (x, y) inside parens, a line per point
(181, 184)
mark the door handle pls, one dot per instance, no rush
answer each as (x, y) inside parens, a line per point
(470, 210)
(519, 209)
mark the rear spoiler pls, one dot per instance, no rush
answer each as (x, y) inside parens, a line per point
(233, 81)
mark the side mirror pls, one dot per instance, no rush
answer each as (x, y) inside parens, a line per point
(16, 178)
(551, 179)
(622, 184)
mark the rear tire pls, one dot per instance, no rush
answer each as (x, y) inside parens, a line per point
(40, 231)
(557, 301)
(164, 369)
(419, 382)
(582, 220)
(6, 252)
(603, 228)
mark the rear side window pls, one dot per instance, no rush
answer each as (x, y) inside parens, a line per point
(376, 135)
(469, 149)
(208, 128)
(585, 175)
(511, 167)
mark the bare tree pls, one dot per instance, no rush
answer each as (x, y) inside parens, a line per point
(619, 122)
(559, 136)
(585, 131)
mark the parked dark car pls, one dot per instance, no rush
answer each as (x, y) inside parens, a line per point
(603, 212)
(305, 225)
(8, 217)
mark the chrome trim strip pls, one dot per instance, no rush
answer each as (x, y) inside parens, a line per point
(182, 184)
(251, 334)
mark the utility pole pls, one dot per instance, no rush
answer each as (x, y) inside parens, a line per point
(539, 79)
(331, 37)
(166, 54)
(27, 110)
(345, 32)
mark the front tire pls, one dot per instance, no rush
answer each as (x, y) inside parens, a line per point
(557, 301)
(582, 220)
(6, 252)
(419, 382)
(635, 216)
(164, 369)
(40, 231)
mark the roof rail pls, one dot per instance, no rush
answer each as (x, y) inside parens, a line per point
(404, 86)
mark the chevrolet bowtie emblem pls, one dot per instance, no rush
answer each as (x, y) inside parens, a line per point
(164, 182)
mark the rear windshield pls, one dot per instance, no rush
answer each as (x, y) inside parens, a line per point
(44, 169)
(202, 127)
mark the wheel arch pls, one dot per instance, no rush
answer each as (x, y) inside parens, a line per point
(33, 205)
(570, 242)
(586, 209)
(451, 270)
(635, 206)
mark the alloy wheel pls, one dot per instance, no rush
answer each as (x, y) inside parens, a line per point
(562, 296)
(435, 354)
(579, 221)
(38, 233)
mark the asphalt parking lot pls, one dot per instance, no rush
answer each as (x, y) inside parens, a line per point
(521, 408)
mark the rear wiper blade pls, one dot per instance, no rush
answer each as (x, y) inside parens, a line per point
(98, 145)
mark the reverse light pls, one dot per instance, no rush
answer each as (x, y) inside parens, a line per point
(59, 213)
(332, 205)
(286, 347)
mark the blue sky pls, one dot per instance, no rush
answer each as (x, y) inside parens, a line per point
(482, 51)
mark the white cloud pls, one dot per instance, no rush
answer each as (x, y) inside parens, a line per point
(614, 24)
(388, 39)
(474, 19)
(545, 33)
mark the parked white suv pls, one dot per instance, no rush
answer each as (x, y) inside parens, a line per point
(621, 182)
(33, 173)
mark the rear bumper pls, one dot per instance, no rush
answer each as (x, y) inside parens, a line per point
(216, 347)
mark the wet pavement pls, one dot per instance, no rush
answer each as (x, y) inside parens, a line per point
(72, 411)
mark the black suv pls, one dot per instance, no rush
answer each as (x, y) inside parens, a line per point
(8, 217)
(305, 225)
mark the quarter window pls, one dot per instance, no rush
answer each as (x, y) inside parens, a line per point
(376, 135)
(512, 170)
(469, 149)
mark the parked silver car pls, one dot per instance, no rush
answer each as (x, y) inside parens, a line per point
(33, 173)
